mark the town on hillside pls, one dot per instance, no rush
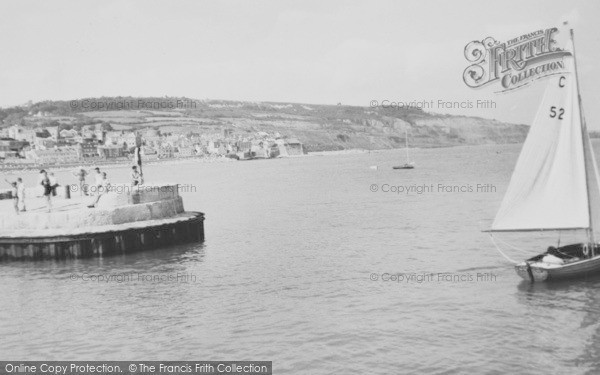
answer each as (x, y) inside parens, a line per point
(23, 146)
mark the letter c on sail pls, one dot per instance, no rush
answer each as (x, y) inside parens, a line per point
(560, 81)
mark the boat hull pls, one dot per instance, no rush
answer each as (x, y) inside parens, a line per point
(535, 270)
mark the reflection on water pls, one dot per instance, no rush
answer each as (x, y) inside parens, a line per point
(286, 274)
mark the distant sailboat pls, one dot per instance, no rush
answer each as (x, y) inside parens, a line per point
(408, 164)
(555, 185)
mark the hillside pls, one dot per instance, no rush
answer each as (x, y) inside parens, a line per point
(319, 127)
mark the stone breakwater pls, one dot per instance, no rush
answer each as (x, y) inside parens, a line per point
(125, 220)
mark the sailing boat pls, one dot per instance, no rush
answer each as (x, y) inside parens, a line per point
(408, 164)
(555, 185)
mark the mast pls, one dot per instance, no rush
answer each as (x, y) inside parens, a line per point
(406, 142)
(584, 138)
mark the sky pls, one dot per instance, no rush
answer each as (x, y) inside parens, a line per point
(320, 52)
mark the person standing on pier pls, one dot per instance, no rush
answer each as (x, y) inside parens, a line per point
(102, 189)
(21, 194)
(97, 180)
(18, 194)
(136, 177)
(53, 183)
(47, 185)
(80, 174)
(14, 195)
(41, 176)
(137, 158)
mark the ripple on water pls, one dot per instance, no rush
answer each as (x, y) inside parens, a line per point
(284, 276)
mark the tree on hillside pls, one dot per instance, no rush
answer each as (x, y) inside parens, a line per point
(52, 124)
(15, 118)
(106, 127)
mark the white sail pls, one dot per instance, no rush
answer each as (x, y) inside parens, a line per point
(549, 186)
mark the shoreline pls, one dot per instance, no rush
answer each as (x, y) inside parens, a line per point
(113, 164)
(206, 159)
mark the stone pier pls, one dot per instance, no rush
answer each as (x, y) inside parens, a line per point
(127, 219)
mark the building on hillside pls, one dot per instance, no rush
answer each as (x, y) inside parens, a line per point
(151, 133)
(20, 133)
(43, 139)
(113, 138)
(89, 148)
(274, 150)
(68, 134)
(261, 153)
(44, 143)
(165, 151)
(12, 148)
(59, 155)
(173, 140)
(224, 149)
(183, 152)
(100, 135)
(147, 150)
(152, 141)
(282, 150)
(110, 151)
(131, 139)
(53, 130)
(244, 146)
(42, 133)
(213, 147)
(88, 131)
(294, 147)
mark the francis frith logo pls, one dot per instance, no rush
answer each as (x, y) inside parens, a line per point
(514, 63)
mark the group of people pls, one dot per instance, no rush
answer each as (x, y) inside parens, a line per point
(48, 182)
(49, 186)
(102, 184)
(100, 179)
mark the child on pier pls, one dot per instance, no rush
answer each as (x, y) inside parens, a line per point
(81, 174)
(18, 194)
(14, 195)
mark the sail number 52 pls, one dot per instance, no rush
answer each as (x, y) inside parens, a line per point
(559, 113)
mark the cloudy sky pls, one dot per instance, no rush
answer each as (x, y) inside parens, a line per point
(321, 51)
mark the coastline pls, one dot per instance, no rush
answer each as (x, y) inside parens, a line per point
(113, 164)
(204, 159)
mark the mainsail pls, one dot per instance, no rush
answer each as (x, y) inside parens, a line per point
(555, 184)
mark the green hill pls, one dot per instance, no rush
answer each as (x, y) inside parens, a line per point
(319, 127)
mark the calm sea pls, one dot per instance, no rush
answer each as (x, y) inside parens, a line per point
(305, 265)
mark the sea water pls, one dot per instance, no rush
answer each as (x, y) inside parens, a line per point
(310, 263)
